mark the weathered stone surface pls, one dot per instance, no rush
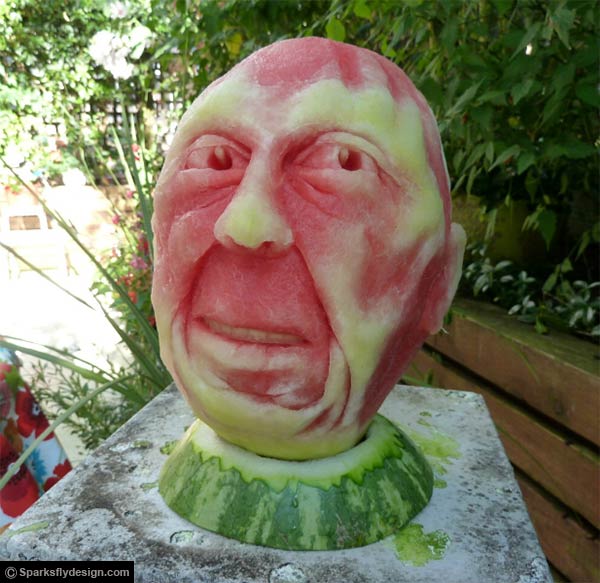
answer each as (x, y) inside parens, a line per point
(475, 529)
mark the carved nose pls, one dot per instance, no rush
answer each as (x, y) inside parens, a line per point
(251, 220)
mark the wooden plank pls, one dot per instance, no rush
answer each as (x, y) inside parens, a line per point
(573, 549)
(569, 471)
(559, 375)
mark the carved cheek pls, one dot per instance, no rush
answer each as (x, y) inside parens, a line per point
(190, 231)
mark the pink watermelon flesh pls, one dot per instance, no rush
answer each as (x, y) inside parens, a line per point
(275, 295)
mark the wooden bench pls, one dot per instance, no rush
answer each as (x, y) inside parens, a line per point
(543, 393)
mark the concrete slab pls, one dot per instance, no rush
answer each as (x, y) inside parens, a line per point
(476, 528)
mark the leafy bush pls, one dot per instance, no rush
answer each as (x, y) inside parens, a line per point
(565, 304)
(514, 86)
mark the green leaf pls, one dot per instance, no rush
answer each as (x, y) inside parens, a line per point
(449, 34)
(586, 56)
(459, 104)
(576, 149)
(362, 10)
(566, 266)
(564, 183)
(551, 108)
(476, 154)
(550, 283)
(526, 159)
(588, 93)
(546, 222)
(583, 244)
(457, 159)
(472, 175)
(335, 30)
(521, 90)
(563, 76)
(489, 152)
(504, 156)
(539, 327)
(433, 91)
(495, 97)
(527, 37)
(562, 21)
(484, 116)
(13, 378)
(553, 150)
(502, 6)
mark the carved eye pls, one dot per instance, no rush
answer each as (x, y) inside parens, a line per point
(351, 159)
(205, 154)
(335, 156)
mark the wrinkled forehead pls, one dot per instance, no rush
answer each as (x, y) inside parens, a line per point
(319, 81)
(289, 67)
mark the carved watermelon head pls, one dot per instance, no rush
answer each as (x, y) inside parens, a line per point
(304, 246)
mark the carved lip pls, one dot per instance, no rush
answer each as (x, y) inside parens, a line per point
(250, 335)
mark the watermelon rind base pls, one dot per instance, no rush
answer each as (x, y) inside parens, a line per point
(352, 499)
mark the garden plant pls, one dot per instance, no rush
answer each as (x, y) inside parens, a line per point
(513, 84)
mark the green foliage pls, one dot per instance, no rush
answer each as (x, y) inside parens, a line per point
(514, 86)
(560, 302)
(105, 396)
(130, 264)
(44, 68)
(60, 388)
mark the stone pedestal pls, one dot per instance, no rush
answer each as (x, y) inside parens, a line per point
(475, 529)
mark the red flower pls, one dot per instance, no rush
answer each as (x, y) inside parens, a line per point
(132, 296)
(21, 491)
(60, 470)
(143, 245)
(30, 418)
(138, 263)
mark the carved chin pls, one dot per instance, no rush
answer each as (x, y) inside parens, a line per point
(220, 371)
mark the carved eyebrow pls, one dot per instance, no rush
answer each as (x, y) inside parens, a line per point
(209, 139)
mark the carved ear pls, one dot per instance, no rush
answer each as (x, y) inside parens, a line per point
(442, 293)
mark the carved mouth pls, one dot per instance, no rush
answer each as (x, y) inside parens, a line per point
(252, 335)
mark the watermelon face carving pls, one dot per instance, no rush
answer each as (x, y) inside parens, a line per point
(304, 247)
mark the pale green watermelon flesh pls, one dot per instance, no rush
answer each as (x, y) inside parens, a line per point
(351, 499)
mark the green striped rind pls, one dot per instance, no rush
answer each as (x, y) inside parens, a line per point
(352, 499)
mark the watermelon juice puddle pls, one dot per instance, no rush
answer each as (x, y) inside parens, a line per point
(417, 548)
